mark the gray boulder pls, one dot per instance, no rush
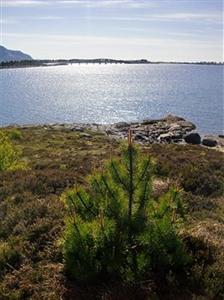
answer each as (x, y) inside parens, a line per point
(210, 141)
(193, 138)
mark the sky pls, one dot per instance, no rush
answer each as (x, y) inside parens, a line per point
(157, 30)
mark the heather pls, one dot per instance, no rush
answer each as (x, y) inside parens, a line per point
(34, 219)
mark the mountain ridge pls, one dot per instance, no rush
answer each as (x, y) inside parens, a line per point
(7, 55)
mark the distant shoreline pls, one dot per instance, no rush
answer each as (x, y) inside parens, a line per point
(54, 63)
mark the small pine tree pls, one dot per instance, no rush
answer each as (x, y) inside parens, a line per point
(116, 228)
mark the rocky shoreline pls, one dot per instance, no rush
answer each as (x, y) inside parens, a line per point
(170, 129)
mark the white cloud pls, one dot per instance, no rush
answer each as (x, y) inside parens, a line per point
(110, 3)
(45, 18)
(23, 3)
(176, 17)
(17, 20)
(188, 16)
(85, 3)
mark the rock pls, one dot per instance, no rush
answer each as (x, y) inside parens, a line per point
(177, 135)
(110, 132)
(121, 125)
(221, 136)
(220, 142)
(172, 119)
(171, 137)
(85, 135)
(170, 129)
(175, 127)
(186, 125)
(167, 119)
(193, 138)
(149, 122)
(139, 129)
(165, 137)
(209, 142)
(140, 137)
(77, 128)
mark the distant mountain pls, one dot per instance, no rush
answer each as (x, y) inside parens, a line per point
(12, 55)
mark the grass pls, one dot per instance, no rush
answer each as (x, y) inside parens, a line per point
(32, 214)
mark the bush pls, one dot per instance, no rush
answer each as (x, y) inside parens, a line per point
(116, 229)
(15, 134)
(8, 256)
(9, 157)
(202, 180)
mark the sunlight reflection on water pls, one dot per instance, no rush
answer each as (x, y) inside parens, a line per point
(111, 93)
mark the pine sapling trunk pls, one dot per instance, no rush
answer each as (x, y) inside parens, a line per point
(130, 192)
(130, 205)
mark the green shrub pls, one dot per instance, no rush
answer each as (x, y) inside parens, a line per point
(202, 180)
(8, 256)
(115, 228)
(15, 134)
(9, 157)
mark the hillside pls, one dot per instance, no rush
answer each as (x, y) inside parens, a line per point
(32, 215)
(7, 55)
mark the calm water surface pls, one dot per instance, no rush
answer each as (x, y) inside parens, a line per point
(111, 93)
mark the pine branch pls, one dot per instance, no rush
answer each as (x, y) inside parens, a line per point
(118, 176)
(77, 229)
(103, 195)
(143, 173)
(108, 189)
(144, 195)
(84, 204)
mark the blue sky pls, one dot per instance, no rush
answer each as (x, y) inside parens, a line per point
(167, 30)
